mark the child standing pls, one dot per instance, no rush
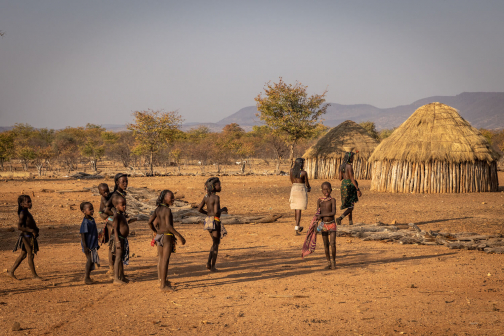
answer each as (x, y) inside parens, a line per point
(165, 235)
(121, 245)
(212, 222)
(89, 240)
(27, 240)
(108, 216)
(327, 226)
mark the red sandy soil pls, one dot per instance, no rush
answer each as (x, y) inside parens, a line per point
(263, 287)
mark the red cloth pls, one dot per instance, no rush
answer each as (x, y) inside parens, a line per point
(311, 237)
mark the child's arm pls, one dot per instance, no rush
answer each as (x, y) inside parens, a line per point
(151, 221)
(115, 226)
(171, 229)
(83, 239)
(351, 173)
(200, 207)
(22, 224)
(318, 207)
(109, 208)
(217, 208)
(307, 183)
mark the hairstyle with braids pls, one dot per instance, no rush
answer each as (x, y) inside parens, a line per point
(210, 184)
(83, 205)
(116, 178)
(162, 196)
(298, 167)
(346, 159)
(21, 199)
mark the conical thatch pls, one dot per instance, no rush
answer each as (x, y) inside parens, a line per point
(339, 139)
(435, 151)
(324, 158)
(435, 132)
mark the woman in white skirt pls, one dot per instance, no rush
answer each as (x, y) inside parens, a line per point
(300, 187)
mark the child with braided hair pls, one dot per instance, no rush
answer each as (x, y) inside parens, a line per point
(165, 235)
(212, 222)
(27, 240)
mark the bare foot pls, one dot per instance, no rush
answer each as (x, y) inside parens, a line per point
(328, 266)
(36, 277)
(333, 265)
(88, 281)
(209, 267)
(9, 273)
(119, 282)
(213, 269)
(126, 280)
(338, 221)
(167, 288)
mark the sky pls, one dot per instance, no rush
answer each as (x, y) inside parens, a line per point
(68, 63)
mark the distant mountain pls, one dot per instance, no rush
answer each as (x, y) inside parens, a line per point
(481, 109)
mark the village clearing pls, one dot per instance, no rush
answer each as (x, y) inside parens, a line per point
(263, 287)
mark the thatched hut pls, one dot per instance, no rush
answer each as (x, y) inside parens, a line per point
(324, 158)
(435, 151)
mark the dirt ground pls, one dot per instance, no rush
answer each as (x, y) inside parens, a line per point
(263, 287)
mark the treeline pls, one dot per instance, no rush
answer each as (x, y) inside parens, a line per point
(155, 140)
(47, 149)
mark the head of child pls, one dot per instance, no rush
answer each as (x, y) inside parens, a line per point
(121, 181)
(166, 197)
(326, 189)
(104, 191)
(119, 203)
(24, 202)
(213, 185)
(87, 209)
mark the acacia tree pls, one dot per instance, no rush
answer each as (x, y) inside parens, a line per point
(94, 145)
(155, 130)
(273, 142)
(6, 147)
(67, 144)
(290, 112)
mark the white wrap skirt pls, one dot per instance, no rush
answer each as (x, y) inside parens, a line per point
(298, 197)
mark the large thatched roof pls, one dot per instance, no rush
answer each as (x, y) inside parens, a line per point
(435, 132)
(339, 139)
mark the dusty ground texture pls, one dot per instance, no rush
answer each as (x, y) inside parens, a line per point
(263, 287)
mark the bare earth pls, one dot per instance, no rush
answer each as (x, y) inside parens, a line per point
(263, 287)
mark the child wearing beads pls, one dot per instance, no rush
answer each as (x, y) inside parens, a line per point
(212, 222)
(165, 235)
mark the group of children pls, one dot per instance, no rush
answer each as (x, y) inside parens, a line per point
(116, 229)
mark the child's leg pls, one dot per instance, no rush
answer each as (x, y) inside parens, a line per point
(160, 260)
(118, 264)
(89, 264)
(30, 256)
(166, 253)
(325, 237)
(212, 258)
(111, 259)
(20, 258)
(333, 250)
(350, 216)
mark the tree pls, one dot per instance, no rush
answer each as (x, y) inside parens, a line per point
(370, 127)
(155, 130)
(119, 146)
(273, 142)
(385, 133)
(33, 145)
(6, 147)
(94, 144)
(290, 112)
(67, 146)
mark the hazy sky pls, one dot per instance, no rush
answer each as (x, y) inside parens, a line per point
(66, 63)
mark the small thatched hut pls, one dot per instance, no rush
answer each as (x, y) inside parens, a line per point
(324, 158)
(435, 151)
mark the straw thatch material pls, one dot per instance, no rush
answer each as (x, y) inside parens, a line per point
(435, 151)
(324, 158)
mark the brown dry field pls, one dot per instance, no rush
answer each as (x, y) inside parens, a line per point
(263, 287)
